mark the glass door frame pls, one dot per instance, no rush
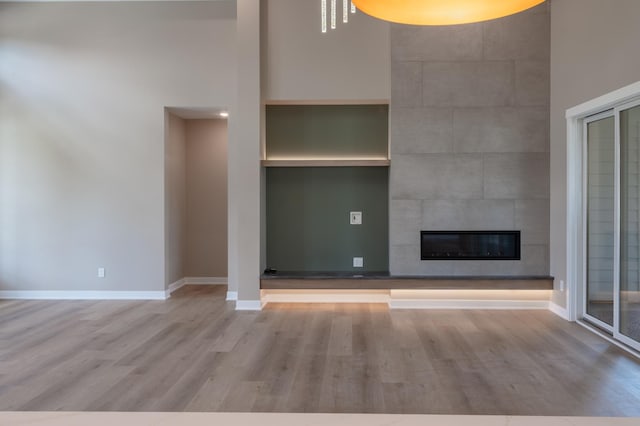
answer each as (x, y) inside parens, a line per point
(616, 221)
(616, 113)
(617, 293)
(571, 261)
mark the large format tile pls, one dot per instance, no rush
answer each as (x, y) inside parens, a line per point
(516, 176)
(436, 176)
(488, 267)
(470, 215)
(405, 218)
(521, 36)
(468, 84)
(493, 106)
(421, 130)
(534, 262)
(405, 260)
(436, 43)
(406, 84)
(535, 259)
(532, 219)
(505, 129)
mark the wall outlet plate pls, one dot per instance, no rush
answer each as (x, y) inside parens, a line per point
(358, 262)
(355, 218)
(101, 272)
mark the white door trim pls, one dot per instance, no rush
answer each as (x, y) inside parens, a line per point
(575, 240)
(576, 117)
(582, 311)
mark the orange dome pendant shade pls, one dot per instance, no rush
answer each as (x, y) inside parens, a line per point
(442, 12)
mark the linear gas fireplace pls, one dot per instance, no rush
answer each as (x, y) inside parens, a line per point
(470, 245)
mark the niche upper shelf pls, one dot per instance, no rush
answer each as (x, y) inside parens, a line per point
(347, 162)
(327, 135)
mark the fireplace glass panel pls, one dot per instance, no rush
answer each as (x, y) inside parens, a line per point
(470, 245)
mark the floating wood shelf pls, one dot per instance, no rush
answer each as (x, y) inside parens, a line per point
(319, 282)
(326, 163)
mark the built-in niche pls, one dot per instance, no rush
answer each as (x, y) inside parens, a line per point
(195, 197)
(322, 163)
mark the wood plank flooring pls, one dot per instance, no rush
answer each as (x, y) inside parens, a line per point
(195, 353)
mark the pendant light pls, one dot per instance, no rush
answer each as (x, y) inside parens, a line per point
(442, 12)
(329, 12)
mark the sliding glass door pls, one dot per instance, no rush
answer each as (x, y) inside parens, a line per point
(629, 293)
(600, 220)
(612, 222)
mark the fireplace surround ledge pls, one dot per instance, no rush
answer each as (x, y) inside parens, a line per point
(375, 281)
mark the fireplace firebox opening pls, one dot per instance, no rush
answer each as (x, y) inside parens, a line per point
(470, 245)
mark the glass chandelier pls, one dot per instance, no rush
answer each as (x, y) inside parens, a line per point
(347, 7)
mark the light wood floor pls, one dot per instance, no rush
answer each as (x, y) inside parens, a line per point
(195, 353)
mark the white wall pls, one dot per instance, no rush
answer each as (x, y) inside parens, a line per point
(593, 52)
(82, 91)
(351, 62)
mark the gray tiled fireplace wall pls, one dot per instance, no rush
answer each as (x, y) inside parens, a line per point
(469, 125)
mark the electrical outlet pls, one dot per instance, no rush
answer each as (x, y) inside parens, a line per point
(101, 273)
(561, 285)
(355, 218)
(358, 262)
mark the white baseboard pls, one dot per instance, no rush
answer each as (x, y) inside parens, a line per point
(205, 280)
(83, 295)
(232, 295)
(248, 305)
(467, 304)
(175, 286)
(195, 281)
(559, 311)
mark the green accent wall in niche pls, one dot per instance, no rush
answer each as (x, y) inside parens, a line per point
(327, 131)
(308, 226)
